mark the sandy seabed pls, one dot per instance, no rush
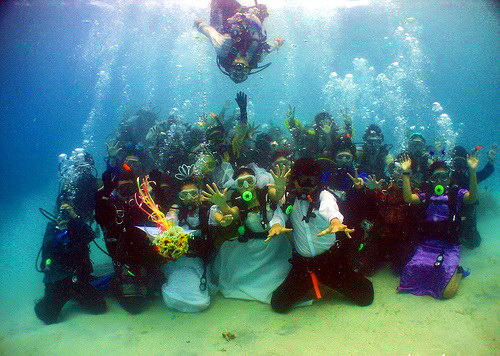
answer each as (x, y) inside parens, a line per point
(395, 324)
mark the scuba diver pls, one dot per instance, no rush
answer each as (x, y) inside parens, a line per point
(134, 259)
(373, 156)
(317, 258)
(247, 267)
(339, 177)
(67, 266)
(185, 288)
(420, 158)
(79, 183)
(434, 268)
(469, 235)
(239, 40)
(385, 224)
(327, 132)
(346, 183)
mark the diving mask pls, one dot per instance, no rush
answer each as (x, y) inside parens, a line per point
(240, 67)
(439, 177)
(282, 162)
(416, 145)
(188, 194)
(343, 157)
(373, 142)
(239, 72)
(131, 164)
(245, 182)
(308, 182)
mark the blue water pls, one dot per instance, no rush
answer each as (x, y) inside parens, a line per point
(69, 70)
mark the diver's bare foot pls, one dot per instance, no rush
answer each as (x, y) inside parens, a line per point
(452, 287)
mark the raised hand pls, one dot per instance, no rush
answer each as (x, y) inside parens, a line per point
(197, 23)
(472, 162)
(241, 99)
(372, 183)
(214, 195)
(70, 211)
(279, 41)
(280, 177)
(113, 149)
(276, 230)
(406, 163)
(326, 128)
(152, 133)
(356, 181)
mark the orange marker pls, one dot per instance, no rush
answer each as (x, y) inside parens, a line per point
(315, 285)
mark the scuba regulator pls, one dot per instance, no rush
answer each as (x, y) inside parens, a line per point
(247, 195)
(288, 208)
(439, 189)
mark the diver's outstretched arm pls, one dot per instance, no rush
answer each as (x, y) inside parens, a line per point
(210, 32)
(274, 45)
(471, 196)
(408, 196)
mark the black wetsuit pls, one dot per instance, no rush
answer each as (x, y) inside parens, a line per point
(332, 270)
(67, 267)
(134, 259)
(468, 234)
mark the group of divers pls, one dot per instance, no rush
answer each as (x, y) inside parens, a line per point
(272, 214)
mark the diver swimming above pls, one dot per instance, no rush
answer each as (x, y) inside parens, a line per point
(238, 37)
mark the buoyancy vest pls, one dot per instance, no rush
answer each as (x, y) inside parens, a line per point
(445, 230)
(244, 232)
(292, 195)
(248, 41)
(124, 241)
